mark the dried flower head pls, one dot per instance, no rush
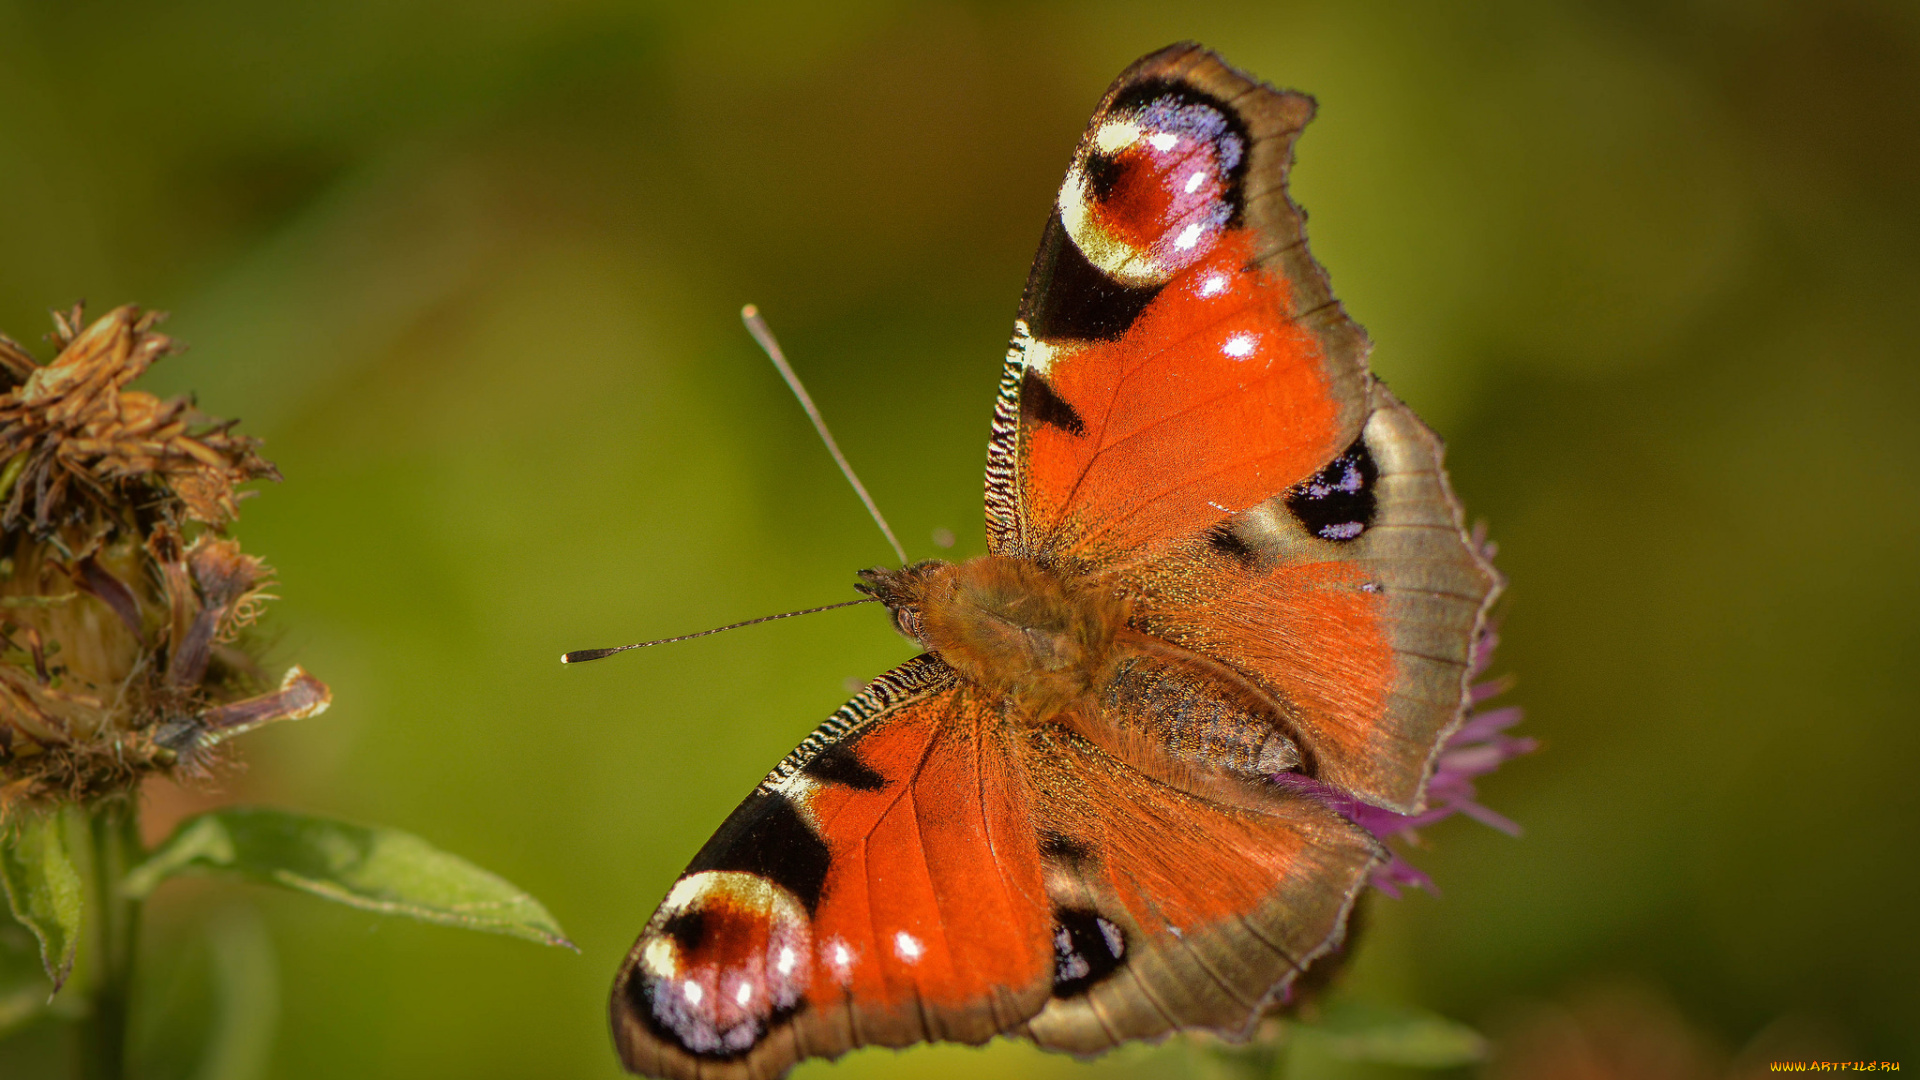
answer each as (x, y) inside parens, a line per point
(122, 605)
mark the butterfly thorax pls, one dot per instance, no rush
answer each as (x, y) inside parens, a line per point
(1007, 625)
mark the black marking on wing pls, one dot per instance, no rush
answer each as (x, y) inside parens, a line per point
(1070, 299)
(639, 994)
(1087, 950)
(838, 764)
(1040, 405)
(1337, 503)
(687, 928)
(767, 836)
(1227, 542)
(1058, 847)
(1103, 173)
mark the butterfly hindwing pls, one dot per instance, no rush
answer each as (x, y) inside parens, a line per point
(1352, 600)
(1178, 355)
(1175, 908)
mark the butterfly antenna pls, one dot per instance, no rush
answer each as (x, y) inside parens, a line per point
(581, 656)
(757, 326)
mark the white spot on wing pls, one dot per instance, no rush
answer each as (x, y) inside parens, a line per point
(661, 958)
(1038, 356)
(1188, 237)
(1068, 964)
(1193, 182)
(1240, 346)
(799, 788)
(692, 992)
(1115, 136)
(1213, 285)
(907, 947)
(744, 994)
(685, 892)
(787, 959)
(840, 959)
(1163, 140)
(1022, 337)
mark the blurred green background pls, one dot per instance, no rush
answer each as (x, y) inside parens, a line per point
(473, 270)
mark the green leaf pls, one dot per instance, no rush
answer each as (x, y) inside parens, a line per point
(375, 869)
(43, 889)
(1352, 1031)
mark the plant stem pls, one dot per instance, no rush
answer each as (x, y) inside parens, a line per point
(114, 829)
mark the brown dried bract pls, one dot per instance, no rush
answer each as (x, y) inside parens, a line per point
(73, 437)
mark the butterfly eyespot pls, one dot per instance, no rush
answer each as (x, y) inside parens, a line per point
(1338, 502)
(1103, 170)
(1087, 949)
(728, 957)
(1156, 185)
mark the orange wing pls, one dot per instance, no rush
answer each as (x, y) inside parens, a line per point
(881, 887)
(1178, 356)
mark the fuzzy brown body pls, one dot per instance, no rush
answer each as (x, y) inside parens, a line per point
(1059, 649)
(1009, 626)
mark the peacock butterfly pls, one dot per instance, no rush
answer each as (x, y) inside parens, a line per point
(1220, 552)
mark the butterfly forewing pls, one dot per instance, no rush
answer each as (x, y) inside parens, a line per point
(1178, 355)
(881, 887)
